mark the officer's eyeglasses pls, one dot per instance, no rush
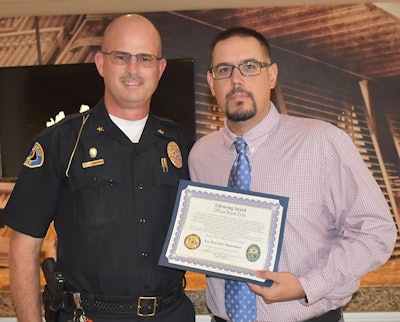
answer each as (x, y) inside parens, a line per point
(249, 68)
(123, 58)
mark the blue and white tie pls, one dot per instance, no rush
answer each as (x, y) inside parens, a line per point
(240, 302)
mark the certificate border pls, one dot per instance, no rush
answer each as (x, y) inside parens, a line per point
(181, 204)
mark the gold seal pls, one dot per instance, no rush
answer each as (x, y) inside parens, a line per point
(192, 241)
(174, 154)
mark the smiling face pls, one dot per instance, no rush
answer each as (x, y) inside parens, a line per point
(128, 88)
(245, 100)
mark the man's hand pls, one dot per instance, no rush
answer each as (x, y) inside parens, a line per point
(285, 287)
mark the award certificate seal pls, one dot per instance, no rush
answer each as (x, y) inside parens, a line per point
(192, 241)
(253, 253)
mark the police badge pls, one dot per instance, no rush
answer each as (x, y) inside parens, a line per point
(174, 154)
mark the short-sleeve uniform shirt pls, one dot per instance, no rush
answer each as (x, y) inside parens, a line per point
(111, 200)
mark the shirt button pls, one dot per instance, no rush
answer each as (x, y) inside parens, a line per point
(140, 186)
(144, 254)
(94, 179)
(142, 220)
(111, 182)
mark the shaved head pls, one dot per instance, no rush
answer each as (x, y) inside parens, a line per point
(129, 85)
(128, 24)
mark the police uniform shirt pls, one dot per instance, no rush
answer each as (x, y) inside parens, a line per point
(111, 200)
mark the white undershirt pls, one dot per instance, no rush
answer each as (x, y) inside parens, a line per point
(132, 129)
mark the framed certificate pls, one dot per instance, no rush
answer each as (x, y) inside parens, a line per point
(223, 232)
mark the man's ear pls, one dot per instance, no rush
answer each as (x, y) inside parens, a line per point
(210, 81)
(99, 60)
(273, 75)
(162, 64)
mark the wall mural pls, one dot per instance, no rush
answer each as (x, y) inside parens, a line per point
(339, 63)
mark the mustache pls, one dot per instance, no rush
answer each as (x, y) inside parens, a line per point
(236, 90)
(132, 78)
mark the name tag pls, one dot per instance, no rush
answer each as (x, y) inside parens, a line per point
(93, 163)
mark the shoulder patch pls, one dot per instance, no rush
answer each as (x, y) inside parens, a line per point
(35, 158)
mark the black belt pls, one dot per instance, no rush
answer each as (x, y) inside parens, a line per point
(331, 316)
(140, 305)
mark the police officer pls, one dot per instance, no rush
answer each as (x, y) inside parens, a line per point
(108, 177)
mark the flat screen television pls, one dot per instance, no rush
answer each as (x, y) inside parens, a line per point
(31, 95)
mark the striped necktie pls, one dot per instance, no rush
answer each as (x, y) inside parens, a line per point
(240, 302)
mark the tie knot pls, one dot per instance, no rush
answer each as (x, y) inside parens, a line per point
(240, 145)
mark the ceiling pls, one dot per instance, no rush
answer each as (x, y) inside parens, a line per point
(11, 8)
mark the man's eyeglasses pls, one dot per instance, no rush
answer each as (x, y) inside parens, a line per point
(249, 68)
(123, 58)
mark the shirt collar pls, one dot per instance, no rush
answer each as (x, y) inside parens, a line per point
(255, 136)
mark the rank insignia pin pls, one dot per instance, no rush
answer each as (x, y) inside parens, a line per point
(100, 129)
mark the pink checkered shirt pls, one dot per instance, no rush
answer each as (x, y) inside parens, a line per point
(338, 227)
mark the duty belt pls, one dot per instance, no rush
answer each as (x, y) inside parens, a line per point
(139, 305)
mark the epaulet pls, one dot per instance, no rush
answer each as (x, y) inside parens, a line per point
(68, 119)
(167, 122)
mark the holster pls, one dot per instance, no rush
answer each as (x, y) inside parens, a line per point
(50, 315)
(53, 291)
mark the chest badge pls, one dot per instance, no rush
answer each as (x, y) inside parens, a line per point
(93, 152)
(174, 154)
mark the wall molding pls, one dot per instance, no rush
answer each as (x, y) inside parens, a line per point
(348, 317)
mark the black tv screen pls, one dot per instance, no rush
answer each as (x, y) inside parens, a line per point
(31, 95)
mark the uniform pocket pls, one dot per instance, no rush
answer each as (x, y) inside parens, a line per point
(95, 196)
(168, 178)
(94, 178)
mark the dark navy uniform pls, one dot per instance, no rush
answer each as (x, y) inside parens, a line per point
(111, 201)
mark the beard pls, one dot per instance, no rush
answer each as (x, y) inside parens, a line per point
(238, 113)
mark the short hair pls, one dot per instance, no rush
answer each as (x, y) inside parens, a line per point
(239, 32)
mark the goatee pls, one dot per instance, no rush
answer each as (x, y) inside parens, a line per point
(239, 114)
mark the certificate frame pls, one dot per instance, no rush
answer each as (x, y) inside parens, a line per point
(224, 232)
